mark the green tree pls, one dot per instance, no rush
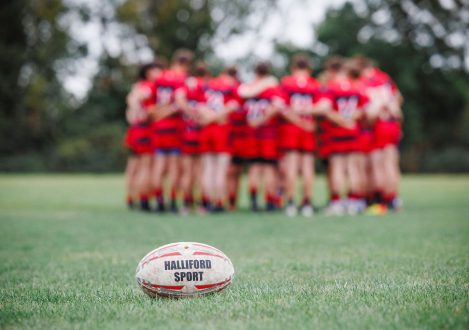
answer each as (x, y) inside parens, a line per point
(435, 98)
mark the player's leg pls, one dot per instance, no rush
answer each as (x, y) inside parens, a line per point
(157, 172)
(377, 163)
(222, 163)
(173, 178)
(208, 168)
(234, 175)
(254, 176)
(307, 175)
(131, 172)
(196, 180)
(364, 178)
(144, 181)
(290, 163)
(269, 173)
(392, 174)
(370, 184)
(187, 169)
(355, 203)
(337, 163)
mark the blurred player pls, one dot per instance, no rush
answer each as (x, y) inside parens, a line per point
(385, 114)
(262, 101)
(333, 68)
(190, 98)
(140, 98)
(238, 142)
(215, 146)
(167, 129)
(340, 143)
(298, 144)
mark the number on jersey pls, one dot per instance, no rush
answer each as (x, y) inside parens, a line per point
(347, 106)
(215, 100)
(300, 101)
(256, 108)
(164, 95)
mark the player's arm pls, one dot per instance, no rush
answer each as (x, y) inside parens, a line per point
(136, 95)
(135, 113)
(395, 108)
(271, 110)
(320, 108)
(335, 118)
(251, 90)
(205, 115)
(180, 98)
(256, 121)
(159, 112)
(227, 109)
(295, 118)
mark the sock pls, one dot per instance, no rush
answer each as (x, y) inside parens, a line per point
(353, 196)
(130, 201)
(306, 201)
(270, 202)
(388, 198)
(232, 200)
(278, 200)
(188, 200)
(334, 197)
(205, 202)
(143, 198)
(253, 194)
(378, 197)
(159, 196)
(173, 195)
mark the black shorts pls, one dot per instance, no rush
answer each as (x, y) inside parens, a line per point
(263, 161)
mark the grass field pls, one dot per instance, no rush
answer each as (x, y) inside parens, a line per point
(69, 248)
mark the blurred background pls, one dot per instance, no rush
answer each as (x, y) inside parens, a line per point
(66, 66)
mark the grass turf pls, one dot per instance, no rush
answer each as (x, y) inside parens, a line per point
(69, 248)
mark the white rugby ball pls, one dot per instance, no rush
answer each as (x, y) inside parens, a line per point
(184, 269)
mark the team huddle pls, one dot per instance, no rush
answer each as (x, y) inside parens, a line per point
(192, 135)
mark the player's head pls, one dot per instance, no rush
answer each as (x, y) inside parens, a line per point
(262, 69)
(200, 69)
(334, 64)
(232, 71)
(182, 58)
(150, 71)
(301, 62)
(352, 69)
(363, 62)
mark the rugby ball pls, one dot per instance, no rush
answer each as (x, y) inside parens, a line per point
(184, 269)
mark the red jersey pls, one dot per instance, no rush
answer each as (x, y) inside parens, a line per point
(257, 106)
(166, 132)
(301, 92)
(347, 99)
(219, 92)
(263, 140)
(166, 84)
(148, 89)
(376, 78)
(137, 138)
(378, 84)
(194, 91)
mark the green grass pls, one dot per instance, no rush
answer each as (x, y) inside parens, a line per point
(68, 252)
